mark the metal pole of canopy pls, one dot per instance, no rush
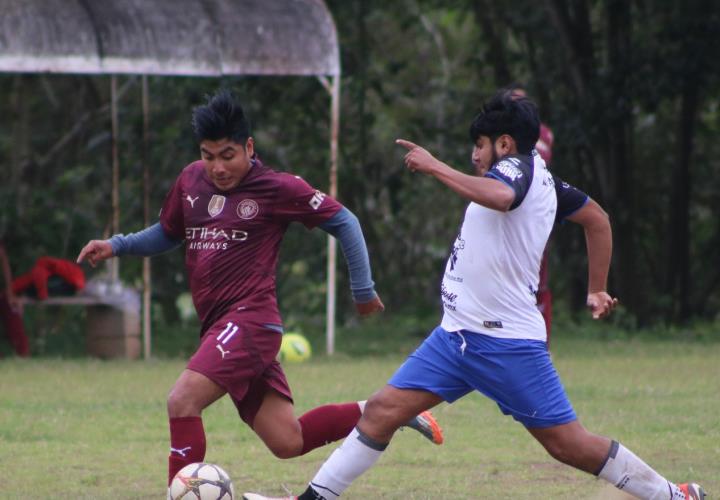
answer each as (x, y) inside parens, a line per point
(147, 284)
(334, 90)
(115, 264)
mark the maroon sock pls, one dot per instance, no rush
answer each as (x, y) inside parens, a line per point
(325, 424)
(187, 443)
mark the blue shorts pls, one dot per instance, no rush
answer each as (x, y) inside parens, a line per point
(517, 374)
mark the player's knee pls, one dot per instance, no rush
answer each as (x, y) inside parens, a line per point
(560, 452)
(180, 405)
(382, 414)
(285, 449)
(570, 450)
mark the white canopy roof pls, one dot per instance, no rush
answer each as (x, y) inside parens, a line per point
(168, 37)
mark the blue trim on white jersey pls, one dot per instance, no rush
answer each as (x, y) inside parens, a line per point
(515, 171)
(569, 199)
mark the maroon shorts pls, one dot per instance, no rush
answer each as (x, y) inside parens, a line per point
(240, 356)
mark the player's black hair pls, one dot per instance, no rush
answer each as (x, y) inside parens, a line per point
(221, 118)
(511, 115)
(516, 85)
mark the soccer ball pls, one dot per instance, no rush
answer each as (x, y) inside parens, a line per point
(294, 348)
(201, 481)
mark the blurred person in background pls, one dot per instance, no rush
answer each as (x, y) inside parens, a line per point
(11, 309)
(544, 147)
(49, 276)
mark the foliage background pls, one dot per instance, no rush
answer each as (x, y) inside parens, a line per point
(629, 88)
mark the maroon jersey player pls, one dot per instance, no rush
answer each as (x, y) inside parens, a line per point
(231, 211)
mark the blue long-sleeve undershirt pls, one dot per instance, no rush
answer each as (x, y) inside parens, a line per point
(150, 241)
(344, 226)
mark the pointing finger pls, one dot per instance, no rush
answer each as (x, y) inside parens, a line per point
(83, 254)
(406, 144)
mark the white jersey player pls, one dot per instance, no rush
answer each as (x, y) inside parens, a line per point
(492, 337)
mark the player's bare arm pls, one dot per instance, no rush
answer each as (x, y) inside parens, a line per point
(598, 238)
(95, 251)
(484, 191)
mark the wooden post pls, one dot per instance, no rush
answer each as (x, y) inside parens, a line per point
(147, 284)
(115, 264)
(332, 245)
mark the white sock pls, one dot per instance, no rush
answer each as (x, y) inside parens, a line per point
(361, 405)
(630, 474)
(356, 455)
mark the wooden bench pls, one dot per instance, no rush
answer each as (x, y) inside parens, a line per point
(112, 323)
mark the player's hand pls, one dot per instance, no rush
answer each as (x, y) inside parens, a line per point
(601, 304)
(95, 251)
(417, 159)
(368, 308)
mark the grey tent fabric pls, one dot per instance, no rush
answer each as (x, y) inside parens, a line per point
(168, 37)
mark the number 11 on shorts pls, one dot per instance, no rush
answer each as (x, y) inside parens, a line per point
(227, 333)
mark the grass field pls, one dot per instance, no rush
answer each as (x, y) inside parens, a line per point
(90, 429)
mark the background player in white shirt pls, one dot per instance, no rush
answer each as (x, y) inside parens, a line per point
(492, 337)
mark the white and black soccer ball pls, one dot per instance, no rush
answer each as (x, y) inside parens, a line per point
(201, 481)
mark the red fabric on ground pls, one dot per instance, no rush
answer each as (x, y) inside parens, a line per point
(187, 444)
(328, 423)
(44, 268)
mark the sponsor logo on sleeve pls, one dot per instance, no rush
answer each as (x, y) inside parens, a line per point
(317, 200)
(216, 205)
(509, 170)
(247, 209)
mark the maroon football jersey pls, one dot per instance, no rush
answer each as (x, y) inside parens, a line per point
(232, 238)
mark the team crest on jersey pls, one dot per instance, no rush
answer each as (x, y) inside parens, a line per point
(216, 205)
(247, 209)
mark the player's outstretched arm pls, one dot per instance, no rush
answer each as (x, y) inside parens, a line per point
(146, 243)
(598, 238)
(484, 191)
(345, 227)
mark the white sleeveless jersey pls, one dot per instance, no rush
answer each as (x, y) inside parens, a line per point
(491, 278)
